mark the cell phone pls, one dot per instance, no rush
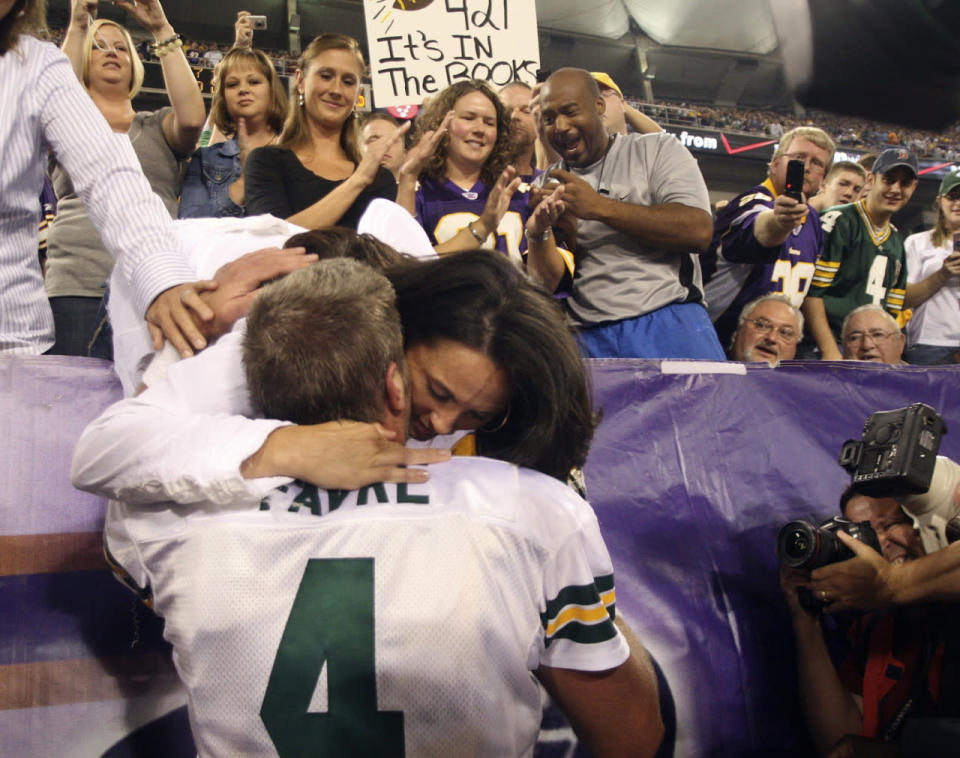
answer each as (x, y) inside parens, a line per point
(258, 22)
(794, 185)
(956, 242)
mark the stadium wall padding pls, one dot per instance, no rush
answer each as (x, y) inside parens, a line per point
(692, 472)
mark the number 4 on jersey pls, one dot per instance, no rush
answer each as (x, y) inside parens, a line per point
(331, 624)
(876, 279)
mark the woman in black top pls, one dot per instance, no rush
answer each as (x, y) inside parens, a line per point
(315, 177)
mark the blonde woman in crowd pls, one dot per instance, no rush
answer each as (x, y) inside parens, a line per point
(103, 57)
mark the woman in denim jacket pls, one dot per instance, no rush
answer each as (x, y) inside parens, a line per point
(250, 105)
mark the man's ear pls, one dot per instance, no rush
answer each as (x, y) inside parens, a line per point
(601, 105)
(396, 391)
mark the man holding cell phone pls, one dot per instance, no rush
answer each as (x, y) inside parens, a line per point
(768, 239)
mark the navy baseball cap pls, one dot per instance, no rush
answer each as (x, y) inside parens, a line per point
(893, 157)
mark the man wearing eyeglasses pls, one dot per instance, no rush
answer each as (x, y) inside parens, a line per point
(764, 241)
(871, 334)
(768, 330)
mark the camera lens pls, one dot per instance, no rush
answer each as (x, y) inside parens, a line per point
(797, 544)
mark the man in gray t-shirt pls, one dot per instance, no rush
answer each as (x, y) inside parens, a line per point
(642, 216)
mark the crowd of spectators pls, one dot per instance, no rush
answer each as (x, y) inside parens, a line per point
(847, 132)
(441, 162)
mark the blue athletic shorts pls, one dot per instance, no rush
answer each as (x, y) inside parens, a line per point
(681, 330)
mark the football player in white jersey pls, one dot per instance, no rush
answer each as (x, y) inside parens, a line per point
(398, 619)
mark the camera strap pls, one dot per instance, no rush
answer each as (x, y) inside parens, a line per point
(919, 689)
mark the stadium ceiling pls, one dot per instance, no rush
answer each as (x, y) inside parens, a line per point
(703, 51)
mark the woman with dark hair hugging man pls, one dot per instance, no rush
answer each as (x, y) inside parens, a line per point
(488, 352)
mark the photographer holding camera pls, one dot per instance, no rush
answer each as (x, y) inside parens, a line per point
(896, 693)
(864, 696)
(868, 583)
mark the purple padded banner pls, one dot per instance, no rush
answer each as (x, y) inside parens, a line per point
(691, 475)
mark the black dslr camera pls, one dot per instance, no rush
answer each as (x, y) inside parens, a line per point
(895, 456)
(897, 452)
(802, 545)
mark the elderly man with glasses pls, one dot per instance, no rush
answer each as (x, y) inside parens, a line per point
(871, 334)
(764, 241)
(768, 330)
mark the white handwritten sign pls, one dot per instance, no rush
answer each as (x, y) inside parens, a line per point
(419, 47)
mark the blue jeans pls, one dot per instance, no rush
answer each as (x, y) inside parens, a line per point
(74, 320)
(681, 330)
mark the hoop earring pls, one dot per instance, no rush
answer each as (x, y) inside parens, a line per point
(498, 427)
(301, 98)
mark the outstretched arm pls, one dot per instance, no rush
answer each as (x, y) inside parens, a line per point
(81, 12)
(772, 227)
(867, 581)
(132, 222)
(181, 127)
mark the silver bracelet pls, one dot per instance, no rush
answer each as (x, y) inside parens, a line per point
(539, 237)
(474, 232)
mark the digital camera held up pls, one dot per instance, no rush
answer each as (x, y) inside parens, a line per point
(897, 452)
(802, 545)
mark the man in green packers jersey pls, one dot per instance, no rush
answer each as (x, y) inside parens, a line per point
(863, 259)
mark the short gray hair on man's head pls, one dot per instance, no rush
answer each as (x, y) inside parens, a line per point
(863, 309)
(777, 297)
(319, 343)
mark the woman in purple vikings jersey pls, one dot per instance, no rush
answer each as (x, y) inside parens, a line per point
(467, 194)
